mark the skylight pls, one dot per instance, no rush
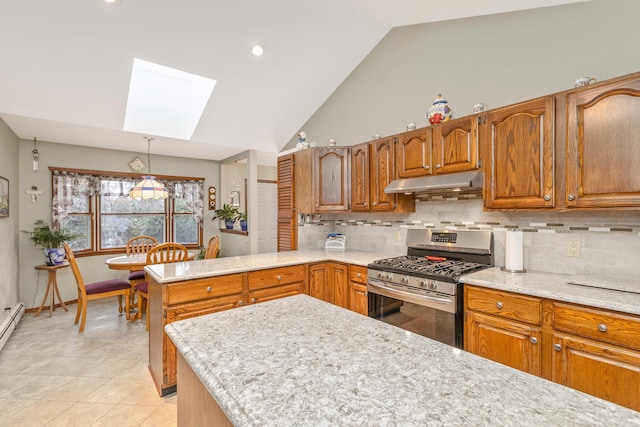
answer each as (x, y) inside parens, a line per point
(164, 101)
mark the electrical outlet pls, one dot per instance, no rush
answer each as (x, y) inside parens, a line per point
(573, 248)
(397, 235)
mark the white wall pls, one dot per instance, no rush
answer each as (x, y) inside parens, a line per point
(496, 59)
(32, 285)
(9, 234)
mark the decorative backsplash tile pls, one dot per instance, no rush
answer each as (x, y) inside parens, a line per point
(610, 240)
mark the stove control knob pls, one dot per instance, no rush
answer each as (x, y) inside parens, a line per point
(433, 285)
(423, 283)
(405, 279)
(381, 275)
(388, 276)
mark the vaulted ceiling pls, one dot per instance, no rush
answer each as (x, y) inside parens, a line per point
(65, 65)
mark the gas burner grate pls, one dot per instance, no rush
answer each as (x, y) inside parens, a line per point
(441, 268)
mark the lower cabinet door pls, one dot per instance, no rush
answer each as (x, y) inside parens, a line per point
(187, 311)
(511, 343)
(359, 301)
(605, 371)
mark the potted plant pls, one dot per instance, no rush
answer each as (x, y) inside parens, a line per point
(228, 214)
(242, 217)
(51, 240)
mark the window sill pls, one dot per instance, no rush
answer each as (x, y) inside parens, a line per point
(239, 232)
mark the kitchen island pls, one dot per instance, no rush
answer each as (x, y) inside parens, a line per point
(301, 361)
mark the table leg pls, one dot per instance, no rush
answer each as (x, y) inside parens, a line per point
(55, 287)
(46, 294)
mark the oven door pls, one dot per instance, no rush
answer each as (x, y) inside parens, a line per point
(430, 314)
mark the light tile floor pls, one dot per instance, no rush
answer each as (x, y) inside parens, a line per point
(52, 375)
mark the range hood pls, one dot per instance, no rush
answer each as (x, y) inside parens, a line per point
(460, 181)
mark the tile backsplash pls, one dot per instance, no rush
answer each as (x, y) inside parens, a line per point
(609, 240)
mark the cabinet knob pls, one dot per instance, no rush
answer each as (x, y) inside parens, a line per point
(438, 166)
(374, 203)
(317, 205)
(571, 197)
(279, 277)
(240, 302)
(557, 347)
(426, 166)
(547, 197)
(365, 203)
(358, 275)
(208, 288)
(253, 300)
(499, 305)
(533, 340)
(602, 327)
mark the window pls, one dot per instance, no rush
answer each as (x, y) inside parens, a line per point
(96, 206)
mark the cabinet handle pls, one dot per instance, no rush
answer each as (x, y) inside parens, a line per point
(533, 340)
(547, 197)
(253, 300)
(240, 302)
(571, 197)
(557, 347)
(499, 305)
(279, 277)
(208, 288)
(602, 327)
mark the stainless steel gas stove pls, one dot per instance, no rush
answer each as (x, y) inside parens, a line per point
(421, 291)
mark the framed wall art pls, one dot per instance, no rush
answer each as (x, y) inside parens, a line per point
(4, 197)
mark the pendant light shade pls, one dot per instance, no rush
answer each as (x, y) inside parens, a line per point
(148, 188)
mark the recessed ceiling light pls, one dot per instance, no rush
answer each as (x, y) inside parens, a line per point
(111, 2)
(257, 49)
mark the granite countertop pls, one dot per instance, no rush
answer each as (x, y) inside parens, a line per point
(594, 291)
(167, 273)
(302, 361)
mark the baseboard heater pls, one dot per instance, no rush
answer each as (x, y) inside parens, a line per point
(10, 322)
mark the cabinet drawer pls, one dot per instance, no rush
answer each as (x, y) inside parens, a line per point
(275, 276)
(505, 304)
(358, 274)
(601, 325)
(275, 292)
(204, 288)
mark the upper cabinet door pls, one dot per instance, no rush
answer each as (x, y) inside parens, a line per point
(360, 177)
(413, 153)
(331, 179)
(603, 146)
(518, 160)
(455, 145)
(382, 173)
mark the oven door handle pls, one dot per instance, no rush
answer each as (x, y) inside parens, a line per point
(415, 298)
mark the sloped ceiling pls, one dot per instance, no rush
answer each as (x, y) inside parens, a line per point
(65, 65)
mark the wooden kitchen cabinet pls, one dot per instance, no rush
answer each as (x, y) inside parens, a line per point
(603, 145)
(413, 153)
(322, 178)
(360, 178)
(266, 285)
(182, 300)
(358, 296)
(593, 350)
(368, 181)
(455, 146)
(329, 282)
(504, 327)
(518, 158)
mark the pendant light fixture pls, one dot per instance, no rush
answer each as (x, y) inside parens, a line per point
(148, 188)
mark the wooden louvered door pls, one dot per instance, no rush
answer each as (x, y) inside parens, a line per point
(287, 218)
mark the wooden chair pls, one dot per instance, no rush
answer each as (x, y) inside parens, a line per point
(161, 254)
(139, 245)
(96, 290)
(212, 248)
